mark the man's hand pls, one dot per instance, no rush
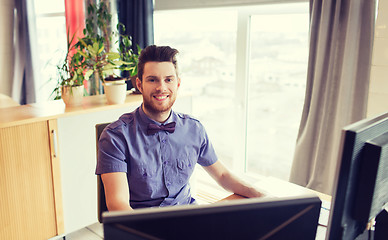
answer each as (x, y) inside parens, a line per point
(230, 182)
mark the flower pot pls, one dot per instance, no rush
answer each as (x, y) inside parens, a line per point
(115, 92)
(72, 95)
(114, 80)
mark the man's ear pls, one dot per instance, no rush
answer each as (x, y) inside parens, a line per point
(138, 85)
(179, 82)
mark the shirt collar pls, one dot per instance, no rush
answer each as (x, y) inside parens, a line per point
(146, 120)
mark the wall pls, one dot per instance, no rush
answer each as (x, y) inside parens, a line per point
(378, 89)
(6, 51)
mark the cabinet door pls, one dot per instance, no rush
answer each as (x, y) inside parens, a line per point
(27, 201)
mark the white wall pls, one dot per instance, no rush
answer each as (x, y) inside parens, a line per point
(6, 51)
(378, 88)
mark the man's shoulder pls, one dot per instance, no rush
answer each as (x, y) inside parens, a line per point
(125, 120)
(189, 120)
(187, 117)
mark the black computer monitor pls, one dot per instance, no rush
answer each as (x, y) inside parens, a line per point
(280, 218)
(361, 189)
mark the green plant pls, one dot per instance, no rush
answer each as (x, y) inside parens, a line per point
(98, 60)
(128, 55)
(95, 47)
(71, 71)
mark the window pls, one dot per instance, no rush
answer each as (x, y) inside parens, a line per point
(50, 42)
(248, 96)
(277, 76)
(206, 40)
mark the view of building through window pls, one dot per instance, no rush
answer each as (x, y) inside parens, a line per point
(206, 39)
(277, 76)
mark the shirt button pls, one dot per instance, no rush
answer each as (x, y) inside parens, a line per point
(164, 140)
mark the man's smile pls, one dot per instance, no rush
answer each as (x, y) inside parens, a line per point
(161, 97)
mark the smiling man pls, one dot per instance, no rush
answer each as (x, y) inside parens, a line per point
(146, 157)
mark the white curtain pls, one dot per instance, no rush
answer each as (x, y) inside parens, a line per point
(341, 38)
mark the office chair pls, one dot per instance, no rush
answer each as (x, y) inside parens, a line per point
(101, 202)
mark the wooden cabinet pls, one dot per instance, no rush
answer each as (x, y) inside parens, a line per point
(30, 194)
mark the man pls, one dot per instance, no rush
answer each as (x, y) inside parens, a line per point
(146, 157)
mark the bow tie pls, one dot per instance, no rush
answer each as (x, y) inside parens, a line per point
(154, 128)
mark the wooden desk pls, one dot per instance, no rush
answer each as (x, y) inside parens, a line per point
(281, 188)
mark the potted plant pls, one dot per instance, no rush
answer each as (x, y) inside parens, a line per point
(97, 54)
(71, 75)
(102, 64)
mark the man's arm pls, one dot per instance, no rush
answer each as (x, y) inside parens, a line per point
(230, 182)
(116, 191)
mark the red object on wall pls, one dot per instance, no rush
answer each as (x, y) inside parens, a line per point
(75, 23)
(75, 19)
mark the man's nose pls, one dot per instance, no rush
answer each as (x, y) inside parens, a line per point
(161, 86)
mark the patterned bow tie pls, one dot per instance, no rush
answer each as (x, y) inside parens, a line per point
(154, 128)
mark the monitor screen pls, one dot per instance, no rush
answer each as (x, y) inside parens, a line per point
(361, 188)
(255, 218)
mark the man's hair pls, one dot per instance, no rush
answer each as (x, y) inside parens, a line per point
(154, 53)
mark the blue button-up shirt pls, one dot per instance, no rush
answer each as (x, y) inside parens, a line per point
(158, 166)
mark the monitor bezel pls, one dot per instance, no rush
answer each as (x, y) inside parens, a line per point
(312, 202)
(342, 224)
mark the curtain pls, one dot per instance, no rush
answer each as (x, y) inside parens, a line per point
(341, 38)
(23, 86)
(137, 16)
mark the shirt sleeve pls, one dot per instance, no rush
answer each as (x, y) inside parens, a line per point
(207, 154)
(111, 155)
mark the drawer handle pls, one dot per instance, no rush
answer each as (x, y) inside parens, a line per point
(54, 136)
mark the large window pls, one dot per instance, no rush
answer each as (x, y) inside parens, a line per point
(206, 40)
(246, 68)
(277, 76)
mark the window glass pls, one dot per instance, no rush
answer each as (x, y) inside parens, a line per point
(277, 76)
(206, 40)
(51, 50)
(49, 6)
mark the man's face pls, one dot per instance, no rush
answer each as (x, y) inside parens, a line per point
(159, 87)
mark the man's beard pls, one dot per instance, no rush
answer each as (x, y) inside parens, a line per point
(154, 109)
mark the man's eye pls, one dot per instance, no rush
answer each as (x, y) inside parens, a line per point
(169, 80)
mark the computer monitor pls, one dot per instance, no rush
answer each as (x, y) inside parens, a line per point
(255, 218)
(361, 189)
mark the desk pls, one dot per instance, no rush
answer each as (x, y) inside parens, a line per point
(280, 188)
